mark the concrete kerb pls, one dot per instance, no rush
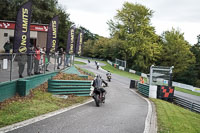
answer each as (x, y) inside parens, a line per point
(39, 118)
(151, 119)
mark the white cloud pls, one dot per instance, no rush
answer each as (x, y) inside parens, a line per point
(96, 23)
(93, 15)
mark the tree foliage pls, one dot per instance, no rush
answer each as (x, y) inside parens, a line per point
(176, 51)
(134, 39)
(42, 12)
(132, 25)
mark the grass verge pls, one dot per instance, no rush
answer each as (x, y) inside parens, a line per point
(38, 103)
(86, 71)
(175, 119)
(110, 68)
(187, 91)
(79, 63)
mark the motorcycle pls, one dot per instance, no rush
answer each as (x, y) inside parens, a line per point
(109, 78)
(99, 97)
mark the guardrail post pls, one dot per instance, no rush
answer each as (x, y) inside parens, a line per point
(191, 107)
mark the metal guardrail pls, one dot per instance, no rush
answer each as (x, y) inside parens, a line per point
(143, 89)
(68, 87)
(187, 104)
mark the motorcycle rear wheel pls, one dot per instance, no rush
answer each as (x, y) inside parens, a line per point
(97, 100)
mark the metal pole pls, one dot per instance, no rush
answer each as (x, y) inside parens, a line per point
(11, 66)
(31, 63)
(55, 62)
(150, 78)
(73, 58)
(44, 58)
(170, 76)
(70, 60)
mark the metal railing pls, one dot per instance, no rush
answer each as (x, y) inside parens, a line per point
(187, 104)
(14, 66)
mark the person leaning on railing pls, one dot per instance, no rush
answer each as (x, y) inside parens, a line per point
(37, 59)
(21, 59)
(141, 80)
(30, 60)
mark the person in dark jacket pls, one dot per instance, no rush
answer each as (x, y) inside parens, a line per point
(98, 84)
(22, 59)
(7, 46)
(60, 57)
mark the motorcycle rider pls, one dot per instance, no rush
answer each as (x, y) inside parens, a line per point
(108, 74)
(97, 65)
(97, 84)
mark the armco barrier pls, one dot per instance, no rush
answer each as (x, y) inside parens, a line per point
(76, 87)
(187, 104)
(143, 89)
(22, 86)
(138, 73)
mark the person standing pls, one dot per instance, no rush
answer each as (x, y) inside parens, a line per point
(22, 59)
(37, 60)
(60, 57)
(7, 46)
(30, 60)
(141, 80)
(45, 59)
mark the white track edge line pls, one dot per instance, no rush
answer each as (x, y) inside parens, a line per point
(39, 118)
(149, 114)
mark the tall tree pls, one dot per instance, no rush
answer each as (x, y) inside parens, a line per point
(176, 51)
(196, 67)
(132, 24)
(64, 26)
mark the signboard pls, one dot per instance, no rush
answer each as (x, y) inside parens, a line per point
(33, 27)
(165, 92)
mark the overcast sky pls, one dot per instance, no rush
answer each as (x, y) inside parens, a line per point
(180, 14)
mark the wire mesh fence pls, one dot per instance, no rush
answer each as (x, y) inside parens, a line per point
(14, 66)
